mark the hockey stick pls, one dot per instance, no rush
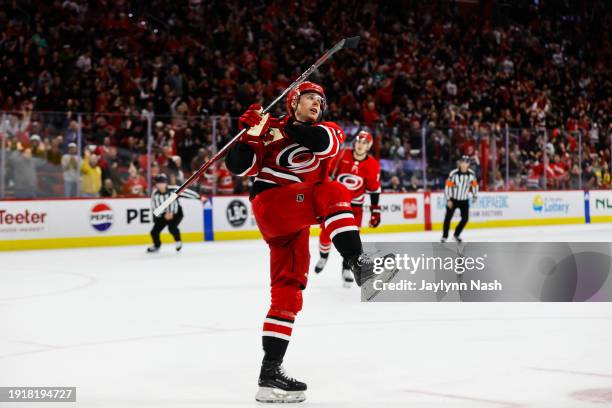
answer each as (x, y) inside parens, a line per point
(344, 43)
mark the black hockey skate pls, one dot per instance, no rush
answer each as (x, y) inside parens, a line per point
(152, 249)
(320, 265)
(362, 267)
(276, 386)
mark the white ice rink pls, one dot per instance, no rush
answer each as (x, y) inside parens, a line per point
(166, 330)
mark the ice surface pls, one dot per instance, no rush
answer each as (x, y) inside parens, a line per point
(166, 330)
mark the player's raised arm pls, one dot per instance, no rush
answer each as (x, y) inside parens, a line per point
(322, 139)
(241, 159)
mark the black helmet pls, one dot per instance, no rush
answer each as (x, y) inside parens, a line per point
(161, 178)
(465, 158)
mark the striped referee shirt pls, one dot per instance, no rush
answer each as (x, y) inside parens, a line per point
(157, 198)
(459, 185)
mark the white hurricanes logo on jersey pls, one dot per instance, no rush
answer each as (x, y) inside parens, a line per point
(298, 159)
(350, 181)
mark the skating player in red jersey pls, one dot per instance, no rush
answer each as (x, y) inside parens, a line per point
(360, 173)
(290, 162)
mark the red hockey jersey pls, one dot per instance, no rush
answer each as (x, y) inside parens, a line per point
(281, 161)
(359, 176)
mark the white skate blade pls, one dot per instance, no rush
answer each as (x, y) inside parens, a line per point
(320, 265)
(270, 395)
(347, 278)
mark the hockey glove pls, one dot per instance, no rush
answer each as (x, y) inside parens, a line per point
(375, 216)
(253, 119)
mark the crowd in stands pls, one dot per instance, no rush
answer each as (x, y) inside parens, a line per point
(523, 87)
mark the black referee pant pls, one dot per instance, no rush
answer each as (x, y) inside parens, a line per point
(464, 207)
(159, 223)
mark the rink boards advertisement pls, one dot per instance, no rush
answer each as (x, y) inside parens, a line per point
(42, 224)
(38, 224)
(233, 217)
(514, 208)
(599, 204)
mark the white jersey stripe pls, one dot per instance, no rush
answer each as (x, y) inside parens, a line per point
(279, 322)
(280, 175)
(277, 335)
(338, 217)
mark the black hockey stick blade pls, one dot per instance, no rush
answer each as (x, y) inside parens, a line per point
(351, 42)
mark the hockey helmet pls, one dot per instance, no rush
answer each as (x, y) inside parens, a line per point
(305, 87)
(365, 137)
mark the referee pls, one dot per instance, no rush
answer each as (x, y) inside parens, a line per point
(461, 181)
(173, 215)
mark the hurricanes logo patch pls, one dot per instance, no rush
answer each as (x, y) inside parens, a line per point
(297, 158)
(350, 181)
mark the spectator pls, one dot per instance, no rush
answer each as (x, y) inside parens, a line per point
(24, 169)
(54, 154)
(70, 167)
(108, 189)
(414, 184)
(589, 180)
(395, 186)
(91, 174)
(136, 185)
(201, 158)
(37, 147)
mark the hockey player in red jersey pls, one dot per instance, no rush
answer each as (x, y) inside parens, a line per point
(289, 160)
(360, 173)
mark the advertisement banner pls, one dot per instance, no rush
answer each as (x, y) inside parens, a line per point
(233, 217)
(516, 208)
(87, 222)
(399, 212)
(600, 205)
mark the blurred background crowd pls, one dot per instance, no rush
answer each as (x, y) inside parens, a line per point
(97, 97)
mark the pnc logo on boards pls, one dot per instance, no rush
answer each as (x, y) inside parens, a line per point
(410, 207)
(101, 217)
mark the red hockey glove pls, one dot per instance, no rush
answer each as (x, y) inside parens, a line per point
(256, 123)
(253, 119)
(375, 216)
